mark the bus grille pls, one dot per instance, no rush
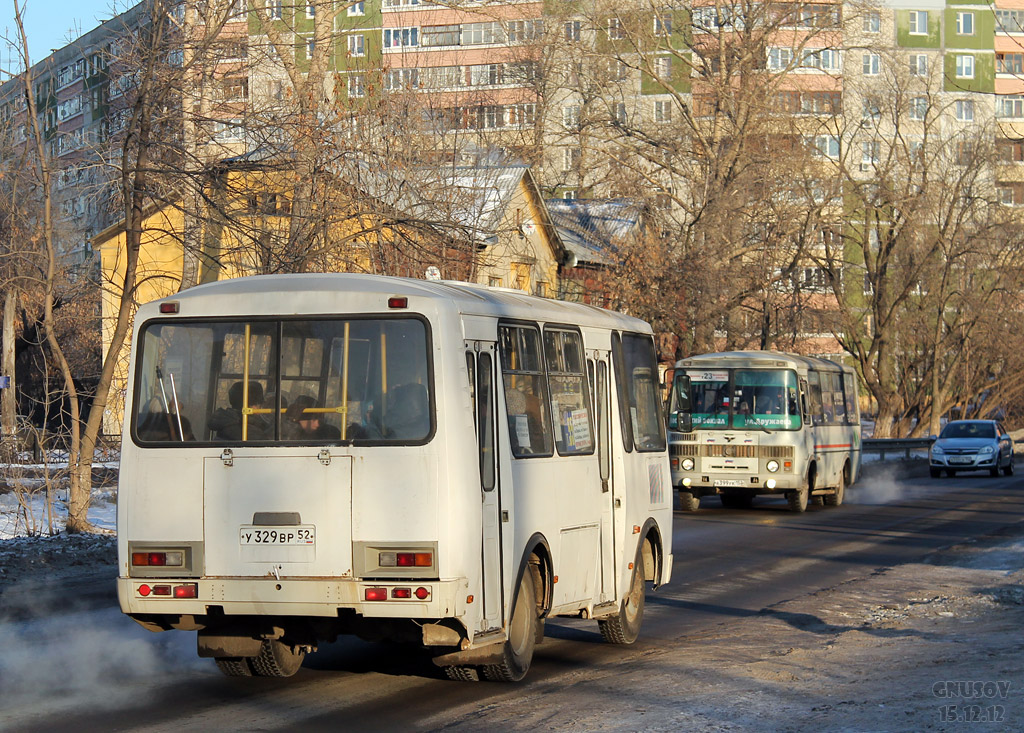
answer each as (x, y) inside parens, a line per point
(688, 449)
(776, 451)
(731, 451)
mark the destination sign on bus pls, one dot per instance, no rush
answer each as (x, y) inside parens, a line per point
(721, 376)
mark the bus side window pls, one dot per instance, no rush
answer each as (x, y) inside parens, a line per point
(814, 384)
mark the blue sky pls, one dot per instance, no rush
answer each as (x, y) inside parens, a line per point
(49, 23)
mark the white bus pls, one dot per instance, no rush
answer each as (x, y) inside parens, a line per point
(744, 423)
(306, 456)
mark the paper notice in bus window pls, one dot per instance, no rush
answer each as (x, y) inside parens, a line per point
(523, 431)
(579, 429)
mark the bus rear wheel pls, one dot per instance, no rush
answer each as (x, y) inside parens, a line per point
(234, 666)
(462, 673)
(797, 500)
(277, 659)
(522, 636)
(624, 626)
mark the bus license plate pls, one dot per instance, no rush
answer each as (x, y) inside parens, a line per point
(304, 534)
(730, 482)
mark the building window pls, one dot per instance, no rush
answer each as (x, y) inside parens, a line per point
(356, 45)
(1011, 105)
(481, 75)
(356, 9)
(493, 282)
(442, 35)
(663, 25)
(871, 110)
(357, 85)
(872, 22)
(570, 159)
(616, 29)
(663, 68)
(779, 58)
(1010, 193)
(569, 194)
(825, 146)
(571, 117)
(310, 11)
(1009, 63)
(869, 154)
(1010, 151)
(1010, 21)
(402, 79)
(274, 8)
(524, 31)
(619, 113)
(476, 34)
(919, 22)
(964, 66)
(872, 63)
(401, 37)
(572, 30)
(964, 110)
(662, 112)
(918, 108)
(965, 24)
(918, 64)
(310, 47)
(826, 59)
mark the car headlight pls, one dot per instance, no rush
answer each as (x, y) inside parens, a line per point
(937, 450)
(772, 466)
(687, 464)
(986, 450)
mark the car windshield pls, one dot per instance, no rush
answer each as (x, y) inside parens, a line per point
(968, 430)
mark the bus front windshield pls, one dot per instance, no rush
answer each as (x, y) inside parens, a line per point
(268, 381)
(760, 399)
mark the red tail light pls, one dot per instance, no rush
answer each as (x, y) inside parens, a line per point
(189, 590)
(376, 594)
(401, 593)
(161, 590)
(423, 593)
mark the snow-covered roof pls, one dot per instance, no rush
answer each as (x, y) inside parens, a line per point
(592, 230)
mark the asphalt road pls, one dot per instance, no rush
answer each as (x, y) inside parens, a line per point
(729, 565)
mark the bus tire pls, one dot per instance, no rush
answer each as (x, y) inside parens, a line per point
(522, 636)
(624, 626)
(234, 666)
(688, 502)
(837, 498)
(462, 673)
(797, 500)
(277, 659)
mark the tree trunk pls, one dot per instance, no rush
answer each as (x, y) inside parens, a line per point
(8, 403)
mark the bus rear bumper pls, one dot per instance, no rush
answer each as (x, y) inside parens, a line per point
(711, 484)
(314, 597)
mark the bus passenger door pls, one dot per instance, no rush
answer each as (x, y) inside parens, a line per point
(482, 364)
(602, 422)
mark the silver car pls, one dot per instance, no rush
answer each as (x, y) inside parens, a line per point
(971, 445)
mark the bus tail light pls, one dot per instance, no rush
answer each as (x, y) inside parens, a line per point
(376, 594)
(188, 590)
(406, 559)
(158, 559)
(401, 592)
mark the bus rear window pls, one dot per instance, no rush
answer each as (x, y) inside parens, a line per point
(283, 381)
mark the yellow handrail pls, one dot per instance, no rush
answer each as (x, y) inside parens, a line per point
(245, 386)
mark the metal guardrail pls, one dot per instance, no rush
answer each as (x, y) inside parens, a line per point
(895, 445)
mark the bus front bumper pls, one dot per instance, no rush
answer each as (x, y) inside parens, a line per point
(708, 484)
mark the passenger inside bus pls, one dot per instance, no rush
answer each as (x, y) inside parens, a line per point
(226, 422)
(302, 424)
(408, 413)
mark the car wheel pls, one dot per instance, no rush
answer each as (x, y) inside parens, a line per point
(994, 471)
(1008, 471)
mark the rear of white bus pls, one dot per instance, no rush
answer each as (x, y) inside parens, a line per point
(280, 484)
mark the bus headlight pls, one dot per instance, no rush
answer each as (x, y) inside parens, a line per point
(772, 466)
(687, 464)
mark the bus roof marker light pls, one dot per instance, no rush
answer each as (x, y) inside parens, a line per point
(398, 302)
(171, 307)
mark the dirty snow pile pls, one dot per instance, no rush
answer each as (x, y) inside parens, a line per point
(62, 555)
